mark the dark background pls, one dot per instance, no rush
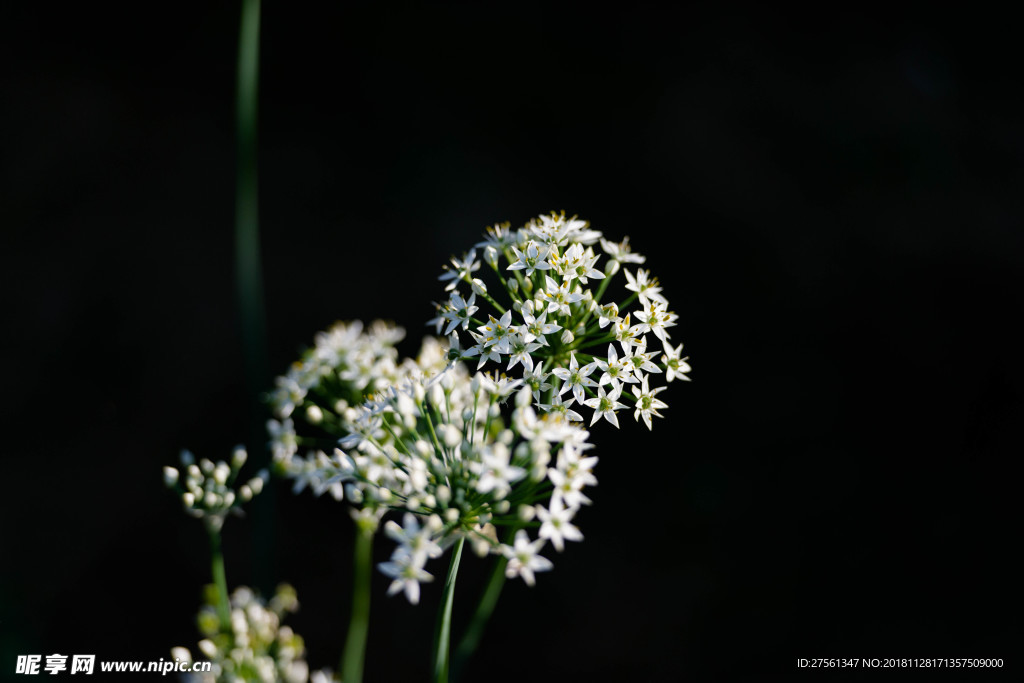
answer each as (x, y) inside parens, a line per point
(832, 202)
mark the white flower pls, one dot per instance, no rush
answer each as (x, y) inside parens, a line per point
(626, 332)
(574, 377)
(460, 312)
(607, 313)
(613, 370)
(646, 403)
(621, 252)
(674, 365)
(496, 333)
(412, 539)
(556, 524)
(640, 360)
(498, 474)
(408, 574)
(571, 476)
(576, 263)
(523, 559)
(645, 286)
(559, 296)
(462, 270)
(519, 352)
(606, 405)
(530, 259)
(498, 236)
(655, 319)
(557, 408)
(536, 380)
(536, 327)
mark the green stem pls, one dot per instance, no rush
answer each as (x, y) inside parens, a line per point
(247, 235)
(444, 617)
(358, 626)
(249, 278)
(485, 608)
(219, 579)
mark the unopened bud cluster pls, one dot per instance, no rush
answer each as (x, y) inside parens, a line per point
(255, 646)
(208, 489)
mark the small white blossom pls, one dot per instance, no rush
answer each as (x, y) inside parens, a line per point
(646, 403)
(605, 405)
(675, 367)
(655, 319)
(407, 573)
(575, 378)
(615, 371)
(461, 270)
(620, 253)
(523, 559)
(559, 296)
(556, 524)
(496, 333)
(460, 312)
(645, 286)
(532, 258)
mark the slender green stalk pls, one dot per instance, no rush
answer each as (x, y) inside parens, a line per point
(247, 236)
(444, 617)
(219, 579)
(359, 623)
(248, 273)
(471, 638)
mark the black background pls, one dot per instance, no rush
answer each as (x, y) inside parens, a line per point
(832, 202)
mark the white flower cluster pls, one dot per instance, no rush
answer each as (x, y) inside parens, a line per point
(315, 402)
(572, 348)
(344, 362)
(207, 489)
(439, 449)
(255, 646)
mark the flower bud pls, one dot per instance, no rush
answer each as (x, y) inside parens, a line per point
(314, 415)
(524, 397)
(170, 476)
(512, 284)
(238, 457)
(567, 337)
(256, 484)
(491, 256)
(444, 494)
(208, 648)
